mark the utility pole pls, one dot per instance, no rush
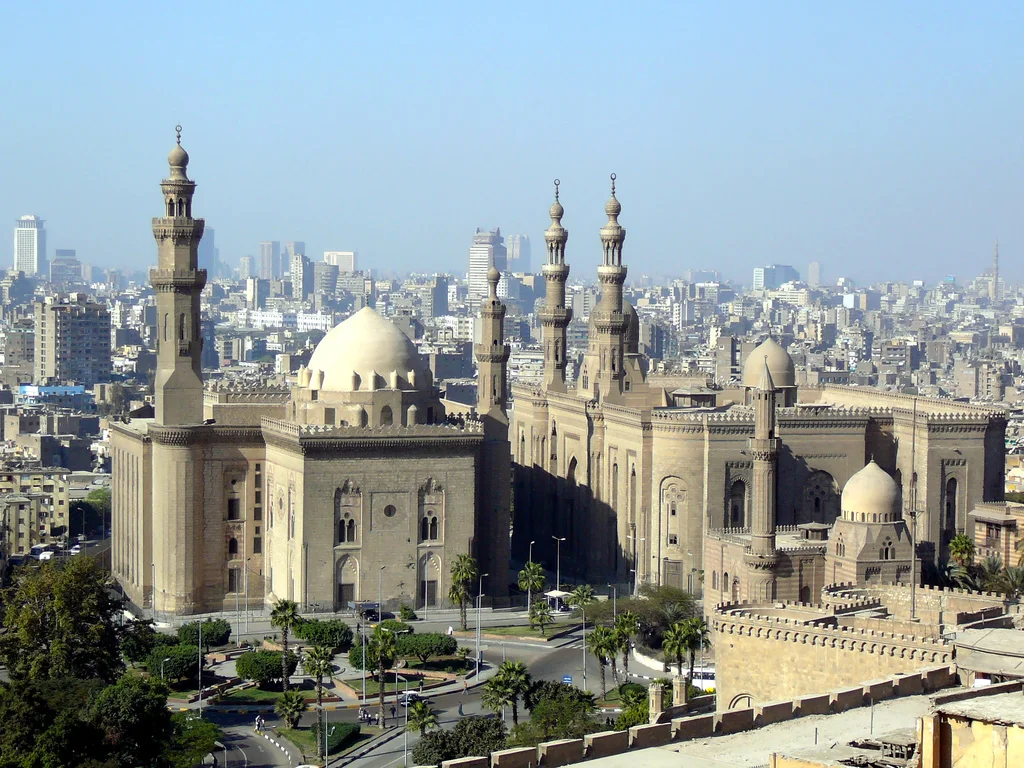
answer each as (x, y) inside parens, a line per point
(615, 593)
(201, 672)
(558, 562)
(380, 602)
(479, 610)
(529, 586)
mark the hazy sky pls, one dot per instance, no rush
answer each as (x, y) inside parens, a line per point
(883, 139)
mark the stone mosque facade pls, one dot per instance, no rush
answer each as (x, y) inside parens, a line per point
(353, 479)
(766, 490)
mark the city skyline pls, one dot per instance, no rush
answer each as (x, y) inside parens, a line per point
(877, 139)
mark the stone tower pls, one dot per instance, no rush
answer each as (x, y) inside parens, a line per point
(604, 367)
(495, 480)
(762, 557)
(178, 281)
(555, 317)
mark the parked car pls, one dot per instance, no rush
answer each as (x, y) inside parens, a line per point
(409, 697)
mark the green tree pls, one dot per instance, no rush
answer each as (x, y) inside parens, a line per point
(697, 639)
(627, 624)
(1011, 582)
(496, 694)
(318, 663)
(421, 717)
(470, 736)
(675, 644)
(192, 738)
(59, 622)
(557, 711)
(173, 662)
(581, 597)
(426, 645)
(635, 707)
(133, 719)
(532, 578)
(464, 570)
(516, 681)
(381, 655)
(215, 632)
(290, 707)
(961, 549)
(138, 638)
(332, 633)
(602, 644)
(540, 615)
(285, 616)
(265, 667)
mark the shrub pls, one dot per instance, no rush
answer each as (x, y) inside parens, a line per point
(425, 645)
(333, 633)
(393, 625)
(182, 662)
(263, 667)
(470, 736)
(355, 654)
(215, 632)
(340, 737)
(406, 613)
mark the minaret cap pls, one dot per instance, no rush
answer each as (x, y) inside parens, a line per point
(613, 207)
(556, 211)
(178, 157)
(493, 277)
(766, 384)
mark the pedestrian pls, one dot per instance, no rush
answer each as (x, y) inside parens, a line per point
(465, 686)
(256, 724)
(393, 711)
(421, 683)
(450, 630)
(461, 713)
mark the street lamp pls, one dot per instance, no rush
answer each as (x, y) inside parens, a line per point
(558, 562)
(529, 584)
(162, 668)
(615, 594)
(479, 610)
(380, 602)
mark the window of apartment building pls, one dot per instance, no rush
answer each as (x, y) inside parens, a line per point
(257, 545)
(673, 538)
(234, 509)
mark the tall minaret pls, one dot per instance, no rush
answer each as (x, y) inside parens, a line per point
(995, 274)
(607, 320)
(764, 449)
(178, 282)
(555, 317)
(495, 478)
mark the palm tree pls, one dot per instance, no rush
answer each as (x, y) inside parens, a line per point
(627, 624)
(603, 645)
(697, 637)
(285, 616)
(318, 664)
(1011, 582)
(290, 707)
(421, 717)
(532, 579)
(675, 643)
(581, 597)
(497, 695)
(540, 614)
(961, 549)
(464, 570)
(384, 649)
(516, 680)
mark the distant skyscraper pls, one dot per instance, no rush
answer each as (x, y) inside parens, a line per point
(270, 260)
(245, 267)
(72, 341)
(325, 278)
(301, 272)
(65, 269)
(771, 277)
(30, 245)
(208, 254)
(288, 251)
(345, 261)
(487, 251)
(518, 253)
(814, 274)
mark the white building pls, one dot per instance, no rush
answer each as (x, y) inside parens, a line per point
(487, 251)
(518, 247)
(30, 245)
(345, 261)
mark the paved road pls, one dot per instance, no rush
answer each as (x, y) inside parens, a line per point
(244, 747)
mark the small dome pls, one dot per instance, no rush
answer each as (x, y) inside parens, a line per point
(612, 208)
(367, 345)
(178, 158)
(780, 364)
(556, 211)
(873, 494)
(493, 275)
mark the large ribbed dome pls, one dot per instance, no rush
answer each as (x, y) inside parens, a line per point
(871, 495)
(368, 345)
(780, 364)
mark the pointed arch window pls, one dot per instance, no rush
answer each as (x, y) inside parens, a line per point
(233, 547)
(887, 552)
(840, 547)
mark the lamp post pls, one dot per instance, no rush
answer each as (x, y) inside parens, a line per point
(405, 736)
(529, 586)
(152, 597)
(479, 610)
(558, 561)
(362, 632)
(245, 578)
(380, 601)
(201, 672)
(162, 668)
(583, 610)
(615, 595)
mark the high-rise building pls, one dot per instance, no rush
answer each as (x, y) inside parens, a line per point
(814, 274)
(72, 341)
(270, 260)
(302, 276)
(289, 250)
(518, 247)
(345, 261)
(325, 278)
(771, 277)
(256, 291)
(208, 253)
(245, 267)
(30, 245)
(65, 269)
(487, 251)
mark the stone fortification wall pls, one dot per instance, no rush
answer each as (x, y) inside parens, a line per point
(798, 658)
(935, 605)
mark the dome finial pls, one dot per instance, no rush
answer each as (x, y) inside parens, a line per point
(612, 177)
(557, 182)
(177, 130)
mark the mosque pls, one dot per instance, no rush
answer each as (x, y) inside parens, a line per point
(354, 483)
(631, 478)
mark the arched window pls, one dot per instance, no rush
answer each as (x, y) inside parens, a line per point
(363, 418)
(737, 505)
(351, 531)
(386, 417)
(170, 206)
(586, 380)
(181, 327)
(181, 207)
(725, 581)
(165, 326)
(424, 529)
(840, 547)
(887, 552)
(233, 547)
(433, 529)
(949, 521)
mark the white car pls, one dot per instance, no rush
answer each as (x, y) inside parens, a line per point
(76, 549)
